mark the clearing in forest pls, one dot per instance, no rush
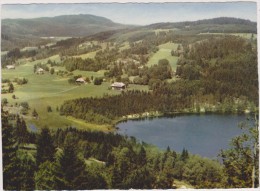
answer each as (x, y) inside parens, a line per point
(164, 52)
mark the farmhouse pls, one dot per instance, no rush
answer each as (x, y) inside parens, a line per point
(118, 86)
(80, 80)
(40, 71)
(10, 67)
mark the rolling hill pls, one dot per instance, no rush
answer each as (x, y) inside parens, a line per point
(221, 24)
(66, 25)
(26, 32)
(215, 25)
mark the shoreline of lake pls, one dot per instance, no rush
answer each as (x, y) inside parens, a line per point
(181, 130)
(157, 114)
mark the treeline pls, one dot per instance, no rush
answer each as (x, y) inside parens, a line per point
(226, 24)
(74, 46)
(88, 64)
(13, 55)
(64, 48)
(102, 60)
(180, 96)
(108, 108)
(219, 47)
(158, 72)
(11, 41)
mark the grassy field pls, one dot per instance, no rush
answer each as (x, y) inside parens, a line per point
(52, 90)
(92, 54)
(244, 35)
(157, 31)
(29, 48)
(87, 55)
(164, 52)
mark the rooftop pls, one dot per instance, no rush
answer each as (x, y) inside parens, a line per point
(118, 84)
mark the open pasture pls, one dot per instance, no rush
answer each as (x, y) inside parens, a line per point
(243, 35)
(87, 55)
(52, 90)
(164, 52)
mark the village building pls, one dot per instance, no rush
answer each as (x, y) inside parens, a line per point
(40, 71)
(10, 67)
(118, 86)
(80, 80)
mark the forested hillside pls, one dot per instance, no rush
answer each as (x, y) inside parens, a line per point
(66, 25)
(215, 25)
(23, 30)
(215, 75)
(73, 159)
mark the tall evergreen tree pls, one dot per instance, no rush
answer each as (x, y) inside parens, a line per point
(45, 147)
(142, 157)
(21, 130)
(10, 160)
(45, 176)
(27, 170)
(72, 170)
(184, 155)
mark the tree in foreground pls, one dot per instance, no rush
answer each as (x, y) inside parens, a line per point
(45, 147)
(70, 169)
(10, 159)
(241, 161)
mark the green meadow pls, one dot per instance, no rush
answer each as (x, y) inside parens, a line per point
(243, 35)
(52, 90)
(164, 52)
(87, 55)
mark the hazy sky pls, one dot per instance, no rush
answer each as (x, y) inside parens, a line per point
(136, 13)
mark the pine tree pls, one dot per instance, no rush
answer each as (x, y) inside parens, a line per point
(27, 170)
(21, 131)
(184, 155)
(116, 178)
(45, 176)
(142, 157)
(45, 147)
(10, 160)
(71, 170)
(139, 179)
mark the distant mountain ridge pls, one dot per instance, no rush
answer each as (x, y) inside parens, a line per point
(26, 32)
(65, 25)
(231, 25)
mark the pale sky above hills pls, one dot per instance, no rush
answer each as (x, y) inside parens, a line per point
(136, 13)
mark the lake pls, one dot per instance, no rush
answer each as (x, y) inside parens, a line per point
(199, 134)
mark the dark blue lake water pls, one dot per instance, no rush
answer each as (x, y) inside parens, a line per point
(199, 134)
